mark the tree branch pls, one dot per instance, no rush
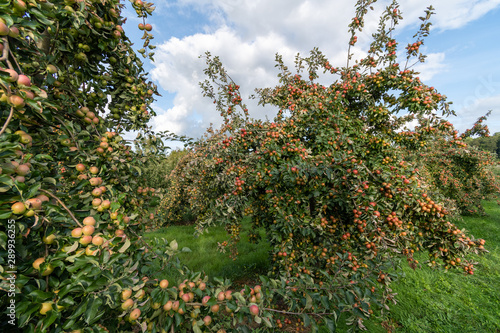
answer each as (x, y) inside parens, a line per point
(8, 120)
(64, 206)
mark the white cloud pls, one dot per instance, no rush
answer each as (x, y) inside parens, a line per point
(472, 109)
(246, 35)
(434, 64)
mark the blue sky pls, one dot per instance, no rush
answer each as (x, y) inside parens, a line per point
(463, 51)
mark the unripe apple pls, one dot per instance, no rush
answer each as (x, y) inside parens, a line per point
(126, 294)
(46, 307)
(205, 300)
(13, 32)
(94, 170)
(106, 204)
(96, 202)
(20, 6)
(13, 75)
(34, 203)
(140, 294)
(113, 215)
(97, 240)
(18, 208)
(168, 306)
(141, 26)
(37, 263)
(163, 284)
(86, 240)
(185, 298)
(43, 197)
(97, 192)
(89, 220)
(29, 94)
(23, 80)
(48, 270)
(49, 239)
(136, 313)
(29, 213)
(4, 29)
(119, 233)
(89, 251)
(17, 101)
(22, 169)
(51, 69)
(25, 139)
(254, 310)
(94, 181)
(77, 232)
(127, 304)
(88, 230)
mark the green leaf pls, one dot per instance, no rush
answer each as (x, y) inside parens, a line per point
(3, 239)
(173, 245)
(90, 314)
(40, 157)
(50, 180)
(52, 316)
(267, 322)
(125, 246)
(309, 301)
(196, 329)
(330, 325)
(307, 320)
(40, 296)
(81, 309)
(6, 214)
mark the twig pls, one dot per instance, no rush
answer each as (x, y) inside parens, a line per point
(64, 206)
(8, 120)
(300, 313)
(15, 61)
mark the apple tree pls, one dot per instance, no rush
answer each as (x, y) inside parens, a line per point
(332, 178)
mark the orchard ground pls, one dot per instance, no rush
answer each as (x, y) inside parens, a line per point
(427, 299)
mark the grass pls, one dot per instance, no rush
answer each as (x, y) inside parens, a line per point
(205, 257)
(433, 301)
(428, 300)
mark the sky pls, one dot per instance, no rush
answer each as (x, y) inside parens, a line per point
(463, 51)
